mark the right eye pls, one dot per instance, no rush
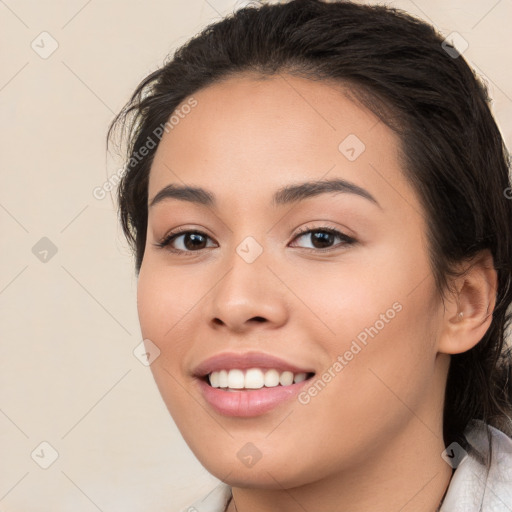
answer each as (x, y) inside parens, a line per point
(192, 241)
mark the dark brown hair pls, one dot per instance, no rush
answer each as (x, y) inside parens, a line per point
(400, 68)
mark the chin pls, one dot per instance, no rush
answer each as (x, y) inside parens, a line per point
(245, 467)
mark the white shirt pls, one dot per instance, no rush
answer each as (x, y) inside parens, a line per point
(470, 489)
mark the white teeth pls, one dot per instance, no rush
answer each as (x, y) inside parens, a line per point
(214, 379)
(271, 378)
(223, 379)
(254, 378)
(299, 377)
(236, 379)
(286, 378)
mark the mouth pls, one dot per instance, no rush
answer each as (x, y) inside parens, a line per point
(237, 379)
(249, 384)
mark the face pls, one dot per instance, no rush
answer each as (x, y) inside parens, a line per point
(272, 277)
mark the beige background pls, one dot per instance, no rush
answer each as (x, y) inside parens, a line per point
(68, 326)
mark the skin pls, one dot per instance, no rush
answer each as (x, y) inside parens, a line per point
(378, 424)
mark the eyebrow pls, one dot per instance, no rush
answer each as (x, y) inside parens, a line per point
(283, 196)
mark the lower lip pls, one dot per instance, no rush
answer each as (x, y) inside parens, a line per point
(249, 402)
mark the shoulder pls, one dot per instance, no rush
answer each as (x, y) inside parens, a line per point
(215, 501)
(473, 488)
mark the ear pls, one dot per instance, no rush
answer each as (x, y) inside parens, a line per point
(468, 311)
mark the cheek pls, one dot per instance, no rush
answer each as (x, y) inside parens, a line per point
(374, 327)
(346, 299)
(368, 388)
(382, 357)
(164, 305)
(163, 300)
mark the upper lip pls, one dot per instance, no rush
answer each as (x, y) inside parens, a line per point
(243, 361)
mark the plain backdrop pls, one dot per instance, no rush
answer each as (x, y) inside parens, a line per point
(68, 322)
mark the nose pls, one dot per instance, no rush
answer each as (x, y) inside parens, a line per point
(248, 294)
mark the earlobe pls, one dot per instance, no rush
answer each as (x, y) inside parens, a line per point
(468, 314)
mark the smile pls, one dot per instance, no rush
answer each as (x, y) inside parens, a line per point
(249, 384)
(254, 378)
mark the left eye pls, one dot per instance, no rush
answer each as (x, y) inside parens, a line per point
(323, 237)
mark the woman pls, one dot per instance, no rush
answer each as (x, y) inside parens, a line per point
(316, 195)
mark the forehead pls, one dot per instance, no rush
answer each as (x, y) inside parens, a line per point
(259, 134)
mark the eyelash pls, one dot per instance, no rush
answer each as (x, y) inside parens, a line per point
(346, 240)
